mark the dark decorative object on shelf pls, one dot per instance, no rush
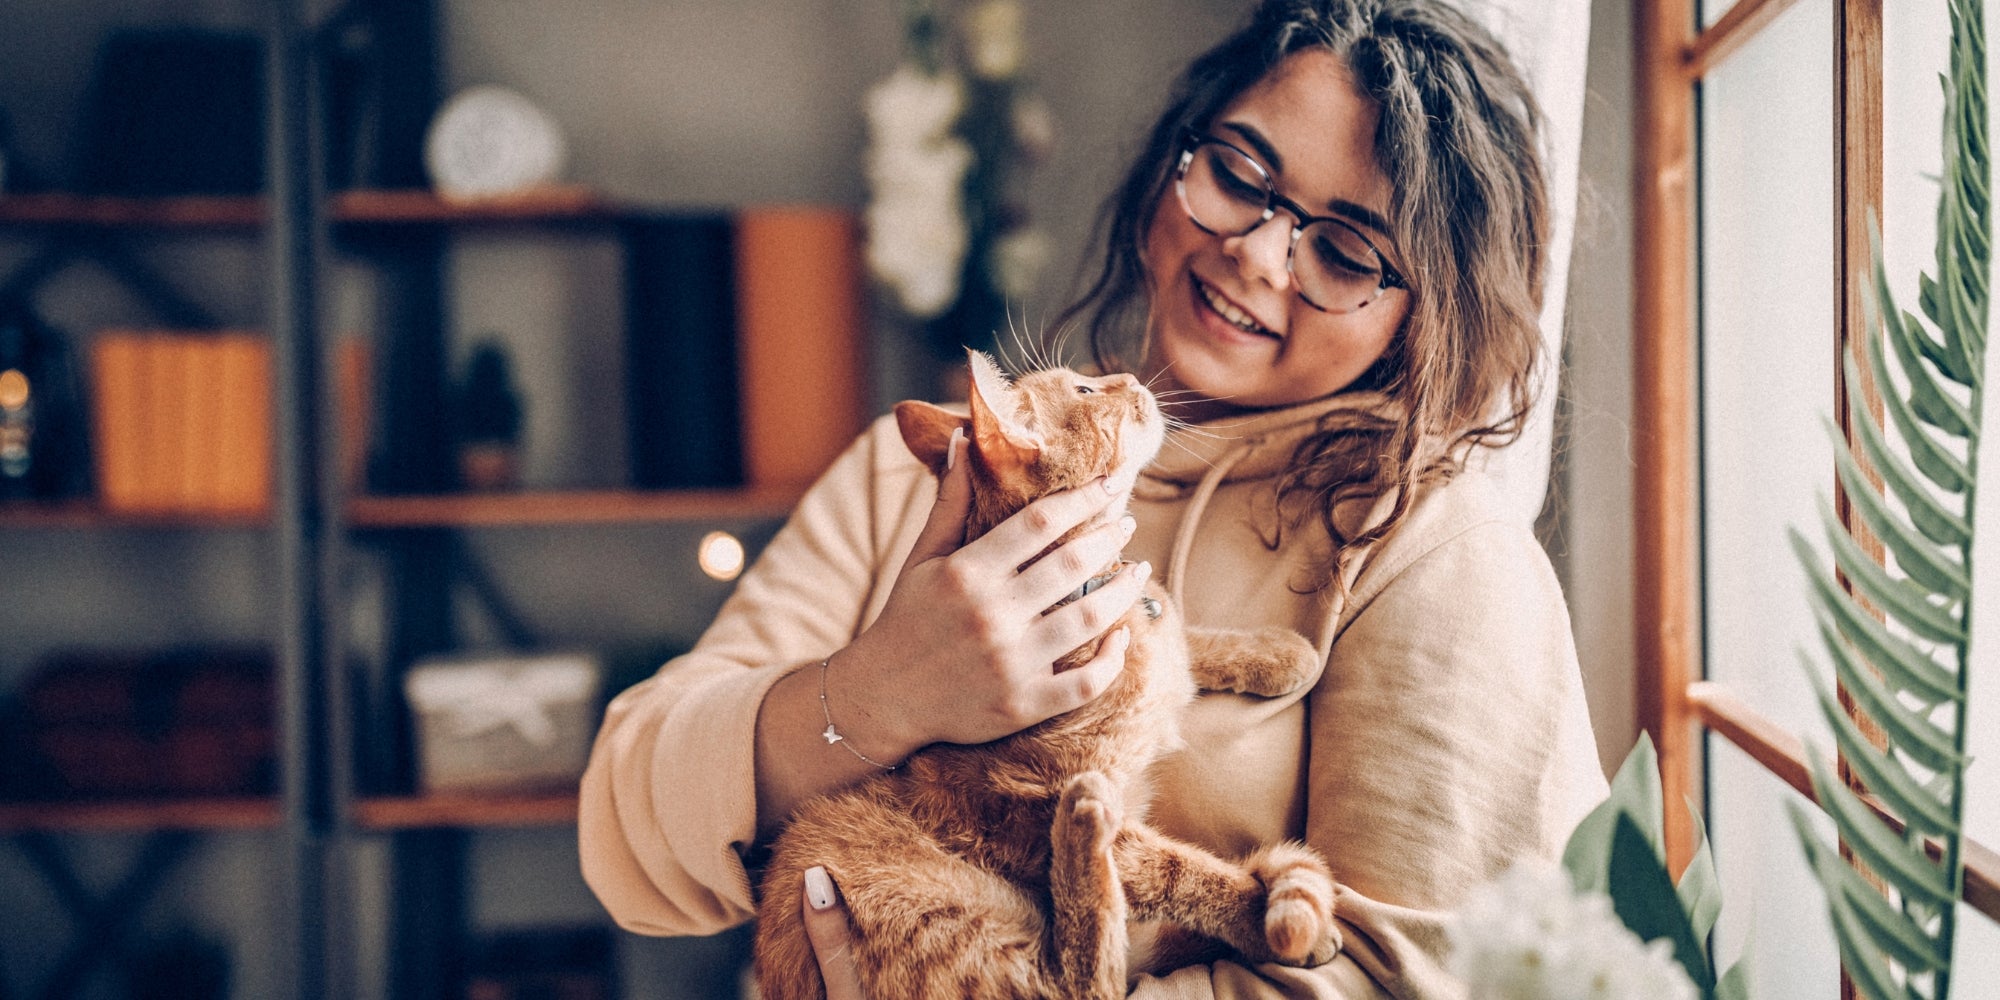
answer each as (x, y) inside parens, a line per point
(180, 722)
(683, 423)
(174, 112)
(44, 443)
(182, 966)
(486, 415)
(558, 963)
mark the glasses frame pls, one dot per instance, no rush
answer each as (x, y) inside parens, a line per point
(1192, 141)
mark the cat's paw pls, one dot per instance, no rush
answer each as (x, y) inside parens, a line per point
(1267, 662)
(1088, 815)
(1298, 905)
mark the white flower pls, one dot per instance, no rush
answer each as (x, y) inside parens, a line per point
(1034, 127)
(916, 174)
(1017, 261)
(993, 39)
(1529, 936)
(911, 106)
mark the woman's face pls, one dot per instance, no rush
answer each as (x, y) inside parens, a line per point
(1314, 133)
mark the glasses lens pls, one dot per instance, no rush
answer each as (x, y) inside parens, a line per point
(1335, 267)
(1223, 191)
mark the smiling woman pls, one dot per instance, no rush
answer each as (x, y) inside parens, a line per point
(1333, 377)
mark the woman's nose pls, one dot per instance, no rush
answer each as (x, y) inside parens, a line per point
(1264, 253)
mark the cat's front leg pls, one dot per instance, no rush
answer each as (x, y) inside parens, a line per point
(1276, 906)
(1267, 661)
(1089, 901)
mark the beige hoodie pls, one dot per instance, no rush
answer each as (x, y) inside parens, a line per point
(1446, 738)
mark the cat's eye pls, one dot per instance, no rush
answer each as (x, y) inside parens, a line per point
(1085, 389)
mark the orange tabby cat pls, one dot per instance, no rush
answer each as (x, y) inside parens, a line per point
(1010, 869)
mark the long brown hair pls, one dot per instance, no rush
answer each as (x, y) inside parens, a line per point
(1459, 140)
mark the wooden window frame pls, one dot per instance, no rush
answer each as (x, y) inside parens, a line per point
(1673, 55)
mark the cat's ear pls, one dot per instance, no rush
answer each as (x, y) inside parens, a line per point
(1001, 439)
(927, 430)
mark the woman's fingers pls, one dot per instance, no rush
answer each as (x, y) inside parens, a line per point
(831, 935)
(1036, 526)
(1087, 617)
(1081, 685)
(944, 531)
(1058, 574)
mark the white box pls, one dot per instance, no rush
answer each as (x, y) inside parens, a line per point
(503, 722)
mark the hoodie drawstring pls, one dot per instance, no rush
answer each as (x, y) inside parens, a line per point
(1197, 505)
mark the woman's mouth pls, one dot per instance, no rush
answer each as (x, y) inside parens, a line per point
(1229, 311)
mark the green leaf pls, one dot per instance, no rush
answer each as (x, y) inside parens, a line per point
(1897, 863)
(1909, 339)
(1930, 458)
(1635, 791)
(1917, 556)
(1699, 890)
(1906, 666)
(1927, 512)
(1917, 737)
(1888, 780)
(1907, 602)
(1735, 984)
(1647, 903)
(1862, 960)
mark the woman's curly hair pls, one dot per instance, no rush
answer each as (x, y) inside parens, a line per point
(1459, 140)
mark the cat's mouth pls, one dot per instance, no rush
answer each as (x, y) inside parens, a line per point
(1231, 313)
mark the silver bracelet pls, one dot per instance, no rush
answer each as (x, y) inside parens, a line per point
(832, 735)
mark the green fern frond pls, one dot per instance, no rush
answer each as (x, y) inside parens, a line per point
(1903, 654)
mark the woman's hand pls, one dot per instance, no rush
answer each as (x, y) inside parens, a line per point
(831, 936)
(962, 652)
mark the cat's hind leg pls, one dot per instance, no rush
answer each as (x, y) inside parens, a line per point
(1088, 899)
(1277, 906)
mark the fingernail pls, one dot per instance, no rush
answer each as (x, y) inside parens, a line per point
(1121, 637)
(1128, 524)
(819, 888)
(951, 448)
(1145, 571)
(1116, 485)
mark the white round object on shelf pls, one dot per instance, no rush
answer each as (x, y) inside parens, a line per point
(489, 141)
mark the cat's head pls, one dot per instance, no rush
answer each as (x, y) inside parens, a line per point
(1044, 431)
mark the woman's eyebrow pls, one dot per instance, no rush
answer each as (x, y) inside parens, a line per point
(1340, 206)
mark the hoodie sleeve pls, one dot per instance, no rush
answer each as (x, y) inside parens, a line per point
(668, 803)
(1449, 738)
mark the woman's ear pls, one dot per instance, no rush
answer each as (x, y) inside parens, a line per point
(927, 430)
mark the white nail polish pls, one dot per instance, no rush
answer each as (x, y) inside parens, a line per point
(1128, 524)
(1145, 571)
(819, 888)
(951, 449)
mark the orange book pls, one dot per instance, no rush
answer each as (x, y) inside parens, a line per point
(353, 397)
(201, 389)
(242, 428)
(801, 340)
(118, 405)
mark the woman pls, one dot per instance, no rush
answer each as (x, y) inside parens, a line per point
(1331, 253)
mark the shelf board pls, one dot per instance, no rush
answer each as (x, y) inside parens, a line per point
(140, 814)
(466, 810)
(89, 515)
(554, 204)
(554, 507)
(446, 510)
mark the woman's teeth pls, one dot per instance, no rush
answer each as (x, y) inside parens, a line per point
(1228, 311)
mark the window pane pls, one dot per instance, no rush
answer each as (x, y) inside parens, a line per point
(1767, 362)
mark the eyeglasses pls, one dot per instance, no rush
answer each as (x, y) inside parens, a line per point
(1228, 193)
